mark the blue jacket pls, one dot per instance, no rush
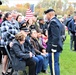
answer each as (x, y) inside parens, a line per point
(71, 26)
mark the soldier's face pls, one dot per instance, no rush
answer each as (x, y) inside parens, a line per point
(48, 16)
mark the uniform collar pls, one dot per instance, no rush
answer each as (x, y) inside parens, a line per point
(53, 17)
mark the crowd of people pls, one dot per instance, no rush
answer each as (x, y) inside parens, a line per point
(34, 42)
(34, 49)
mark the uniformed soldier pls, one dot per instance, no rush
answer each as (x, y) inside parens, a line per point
(54, 44)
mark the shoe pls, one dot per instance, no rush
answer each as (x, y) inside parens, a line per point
(3, 73)
(45, 71)
(8, 73)
(74, 50)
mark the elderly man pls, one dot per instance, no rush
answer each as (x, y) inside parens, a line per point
(54, 44)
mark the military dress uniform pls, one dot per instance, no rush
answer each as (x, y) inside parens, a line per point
(54, 43)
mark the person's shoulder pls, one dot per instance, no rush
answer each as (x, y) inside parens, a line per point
(54, 21)
(15, 42)
(71, 21)
(4, 24)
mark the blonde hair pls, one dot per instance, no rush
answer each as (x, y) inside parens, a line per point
(19, 36)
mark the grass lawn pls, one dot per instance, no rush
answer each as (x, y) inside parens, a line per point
(67, 60)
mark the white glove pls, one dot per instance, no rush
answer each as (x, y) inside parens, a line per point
(53, 50)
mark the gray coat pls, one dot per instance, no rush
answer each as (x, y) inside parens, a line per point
(18, 56)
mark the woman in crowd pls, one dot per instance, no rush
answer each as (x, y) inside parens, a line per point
(7, 35)
(19, 19)
(39, 50)
(20, 57)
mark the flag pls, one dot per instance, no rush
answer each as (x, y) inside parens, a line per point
(29, 14)
(32, 7)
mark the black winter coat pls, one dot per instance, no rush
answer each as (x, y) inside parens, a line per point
(18, 56)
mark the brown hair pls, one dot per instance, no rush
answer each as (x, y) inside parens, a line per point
(19, 36)
(18, 17)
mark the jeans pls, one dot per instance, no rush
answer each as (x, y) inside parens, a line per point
(45, 63)
(39, 62)
(71, 41)
(56, 63)
(74, 43)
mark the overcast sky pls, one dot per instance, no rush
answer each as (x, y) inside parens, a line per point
(72, 0)
(13, 2)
